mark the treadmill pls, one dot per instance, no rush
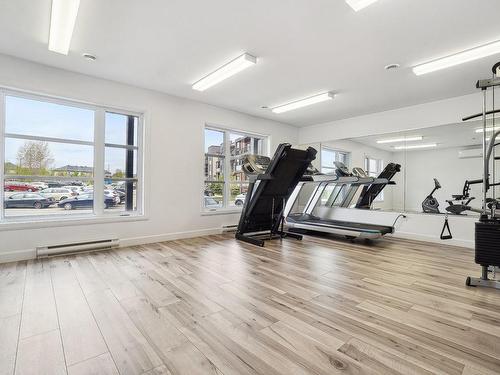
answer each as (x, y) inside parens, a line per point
(271, 184)
(322, 203)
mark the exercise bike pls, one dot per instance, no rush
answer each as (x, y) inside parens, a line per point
(430, 205)
(460, 202)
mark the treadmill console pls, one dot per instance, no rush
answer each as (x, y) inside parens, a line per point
(255, 164)
(342, 170)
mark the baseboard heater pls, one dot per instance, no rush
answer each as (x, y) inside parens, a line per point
(76, 247)
(229, 228)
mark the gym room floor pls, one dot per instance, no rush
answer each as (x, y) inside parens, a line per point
(212, 305)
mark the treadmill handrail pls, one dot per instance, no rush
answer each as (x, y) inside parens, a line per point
(349, 180)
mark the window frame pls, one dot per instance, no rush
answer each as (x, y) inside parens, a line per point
(337, 152)
(227, 157)
(98, 144)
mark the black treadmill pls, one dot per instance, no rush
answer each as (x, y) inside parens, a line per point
(268, 193)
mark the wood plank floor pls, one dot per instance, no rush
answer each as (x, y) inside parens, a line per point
(212, 305)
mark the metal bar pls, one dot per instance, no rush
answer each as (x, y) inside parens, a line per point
(485, 157)
(48, 178)
(486, 83)
(127, 147)
(2, 151)
(48, 139)
(480, 114)
(129, 165)
(99, 156)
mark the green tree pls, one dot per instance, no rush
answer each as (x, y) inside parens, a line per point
(34, 158)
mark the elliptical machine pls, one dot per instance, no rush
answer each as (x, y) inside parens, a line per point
(487, 241)
(430, 205)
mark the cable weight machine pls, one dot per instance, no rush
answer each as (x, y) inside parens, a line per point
(487, 229)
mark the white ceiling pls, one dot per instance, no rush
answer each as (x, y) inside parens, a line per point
(304, 47)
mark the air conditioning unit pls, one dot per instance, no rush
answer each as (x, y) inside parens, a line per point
(470, 153)
(76, 247)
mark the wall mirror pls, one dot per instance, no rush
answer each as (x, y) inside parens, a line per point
(440, 166)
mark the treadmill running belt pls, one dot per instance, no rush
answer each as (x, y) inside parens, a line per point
(359, 227)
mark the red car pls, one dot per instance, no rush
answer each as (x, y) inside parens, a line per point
(18, 186)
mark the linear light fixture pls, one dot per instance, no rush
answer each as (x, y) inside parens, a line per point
(404, 139)
(415, 146)
(304, 102)
(62, 22)
(359, 4)
(230, 69)
(458, 58)
(488, 129)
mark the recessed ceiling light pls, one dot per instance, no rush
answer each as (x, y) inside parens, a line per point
(458, 58)
(90, 57)
(391, 66)
(415, 146)
(304, 102)
(359, 4)
(231, 68)
(404, 139)
(62, 22)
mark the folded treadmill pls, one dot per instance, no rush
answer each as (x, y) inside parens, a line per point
(268, 193)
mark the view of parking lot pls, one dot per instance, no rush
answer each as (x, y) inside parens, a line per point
(49, 160)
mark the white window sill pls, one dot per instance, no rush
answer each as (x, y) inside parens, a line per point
(222, 211)
(48, 222)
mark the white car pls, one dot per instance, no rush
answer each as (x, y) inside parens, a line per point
(58, 194)
(74, 189)
(39, 185)
(240, 199)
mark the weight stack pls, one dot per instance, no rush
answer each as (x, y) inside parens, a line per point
(488, 243)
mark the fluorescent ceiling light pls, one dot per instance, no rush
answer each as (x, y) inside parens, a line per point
(304, 102)
(62, 23)
(230, 69)
(415, 146)
(488, 129)
(404, 139)
(359, 4)
(458, 58)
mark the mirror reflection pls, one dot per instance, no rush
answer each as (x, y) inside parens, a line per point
(440, 168)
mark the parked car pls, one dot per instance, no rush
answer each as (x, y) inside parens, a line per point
(121, 193)
(210, 202)
(55, 184)
(40, 185)
(115, 194)
(84, 201)
(240, 199)
(27, 200)
(58, 194)
(75, 189)
(18, 186)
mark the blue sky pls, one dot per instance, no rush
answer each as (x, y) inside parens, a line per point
(36, 118)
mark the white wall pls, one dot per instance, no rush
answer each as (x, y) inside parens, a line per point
(174, 156)
(442, 112)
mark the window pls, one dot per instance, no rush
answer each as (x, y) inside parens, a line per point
(60, 152)
(329, 157)
(225, 183)
(373, 168)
